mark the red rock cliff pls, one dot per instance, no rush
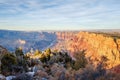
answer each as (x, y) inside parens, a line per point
(96, 45)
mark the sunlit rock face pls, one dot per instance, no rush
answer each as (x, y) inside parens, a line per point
(63, 38)
(96, 45)
(64, 35)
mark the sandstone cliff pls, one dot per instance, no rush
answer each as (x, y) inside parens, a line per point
(96, 45)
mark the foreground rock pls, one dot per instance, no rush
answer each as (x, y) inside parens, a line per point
(2, 77)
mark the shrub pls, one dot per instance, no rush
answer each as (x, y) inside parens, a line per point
(43, 58)
(80, 61)
(19, 52)
(37, 52)
(8, 61)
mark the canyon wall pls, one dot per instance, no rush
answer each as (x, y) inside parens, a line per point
(96, 46)
(65, 35)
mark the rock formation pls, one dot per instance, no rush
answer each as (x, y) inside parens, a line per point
(96, 46)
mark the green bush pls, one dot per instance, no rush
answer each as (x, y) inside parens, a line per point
(19, 52)
(47, 54)
(80, 61)
(43, 58)
(37, 52)
(8, 60)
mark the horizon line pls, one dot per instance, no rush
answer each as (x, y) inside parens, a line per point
(58, 30)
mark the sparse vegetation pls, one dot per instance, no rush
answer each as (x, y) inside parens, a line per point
(54, 65)
(80, 61)
(37, 52)
(8, 61)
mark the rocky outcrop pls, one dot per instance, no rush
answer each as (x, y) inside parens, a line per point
(96, 45)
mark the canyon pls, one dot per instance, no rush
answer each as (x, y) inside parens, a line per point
(96, 44)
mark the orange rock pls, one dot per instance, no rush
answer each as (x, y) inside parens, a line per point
(96, 45)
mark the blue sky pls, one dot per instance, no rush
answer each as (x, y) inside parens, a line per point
(59, 14)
